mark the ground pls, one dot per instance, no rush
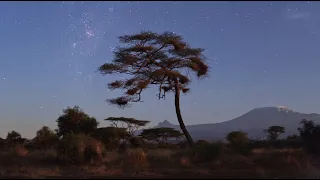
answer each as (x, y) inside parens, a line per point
(163, 163)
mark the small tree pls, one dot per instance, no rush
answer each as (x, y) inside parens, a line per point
(45, 138)
(273, 132)
(160, 135)
(75, 121)
(112, 137)
(237, 138)
(163, 60)
(14, 137)
(130, 124)
(310, 134)
(293, 137)
(136, 141)
(2, 143)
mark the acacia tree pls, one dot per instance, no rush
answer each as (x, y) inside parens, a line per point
(273, 132)
(160, 135)
(163, 60)
(130, 124)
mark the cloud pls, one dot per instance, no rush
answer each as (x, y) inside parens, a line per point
(295, 15)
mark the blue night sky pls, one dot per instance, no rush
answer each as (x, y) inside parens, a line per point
(260, 53)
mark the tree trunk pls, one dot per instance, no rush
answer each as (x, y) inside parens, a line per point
(178, 112)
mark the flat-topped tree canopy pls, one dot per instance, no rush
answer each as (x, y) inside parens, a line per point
(131, 124)
(160, 135)
(128, 120)
(153, 59)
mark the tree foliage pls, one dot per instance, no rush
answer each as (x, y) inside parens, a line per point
(237, 138)
(79, 148)
(160, 135)
(153, 59)
(14, 137)
(310, 134)
(162, 60)
(75, 121)
(130, 124)
(112, 137)
(45, 138)
(2, 143)
(273, 132)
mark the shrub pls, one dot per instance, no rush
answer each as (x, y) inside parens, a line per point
(19, 150)
(79, 148)
(310, 134)
(202, 142)
(123, 147)
(111, 137)
(150, 146)
(45, 139)
(136, 142)
(206, 152)
(160, 157)
(2, 143)
(168, 146)
(183, 144)
(136, 158)
(238, 141)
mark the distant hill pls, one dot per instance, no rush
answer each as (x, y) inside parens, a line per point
(252, 122)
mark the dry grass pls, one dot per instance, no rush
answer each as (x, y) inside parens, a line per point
(163, 163)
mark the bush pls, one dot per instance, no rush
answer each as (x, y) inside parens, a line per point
(150, 146)
(168, 146)
(2, 143)
(136, 142)
(79, 148)
(310, 134)
(183, 144)
(123, 147)
(206, 152)
(202, 142)
(19, 150)
(45, 139)
(238, 141)
(136, 158)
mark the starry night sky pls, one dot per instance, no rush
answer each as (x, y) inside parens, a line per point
(260, 53)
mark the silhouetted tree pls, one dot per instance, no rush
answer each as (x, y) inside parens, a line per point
(45, 138)
(273, 132)
(75, 121)
(310, 134)
(163, 60)
(14, 137)
(160, 135)
(130, 124)
(2, 143)
(237, 138)
(112, 137)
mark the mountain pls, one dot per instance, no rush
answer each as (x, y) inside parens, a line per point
(252, 122)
